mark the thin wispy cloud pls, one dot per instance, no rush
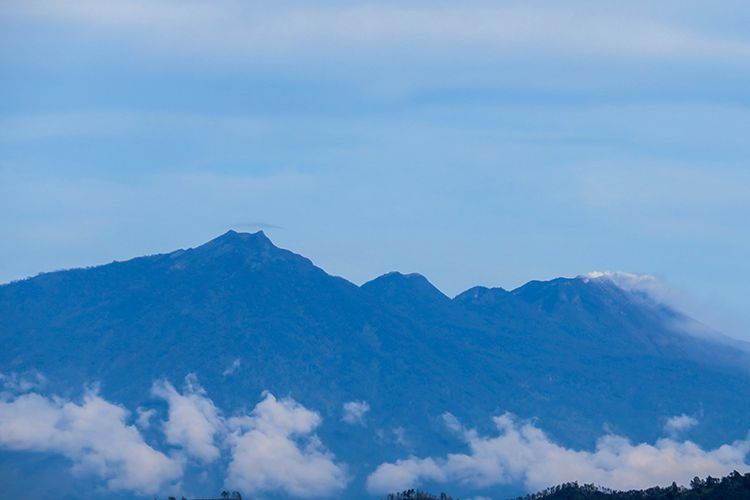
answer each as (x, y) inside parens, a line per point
(355, 411)
(232, 368)
(21, 382)
(657, 292)
(256, 225)
(678, 424)
(267, 31)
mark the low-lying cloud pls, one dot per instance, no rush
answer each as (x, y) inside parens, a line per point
(522, 453)
(193, 420)
(94, 435)
(273, 448)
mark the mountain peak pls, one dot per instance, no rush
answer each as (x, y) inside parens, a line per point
(232, 240)
(399, 286)
(482, 295)
(235, 236)
(237, 248)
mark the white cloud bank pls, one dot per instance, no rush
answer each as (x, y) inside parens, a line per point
(523, 453)
(273, 449)
(193, 419)
(355, 411)
(94, 435)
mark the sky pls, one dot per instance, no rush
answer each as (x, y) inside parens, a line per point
(476, 142)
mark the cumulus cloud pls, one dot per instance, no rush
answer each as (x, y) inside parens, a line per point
(355, 411)
(523, 453)
(274, 449)
(193, 420)
(94, 435)
(678, 424)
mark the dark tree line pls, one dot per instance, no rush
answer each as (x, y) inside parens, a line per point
(416, 495)
(735, 486)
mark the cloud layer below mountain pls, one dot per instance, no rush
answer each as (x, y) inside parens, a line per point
(93, 434)
(271, 449)
(522, 453)
(274, 448)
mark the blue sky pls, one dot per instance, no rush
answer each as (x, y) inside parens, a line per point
(475, 142)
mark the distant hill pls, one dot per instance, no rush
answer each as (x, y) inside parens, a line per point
(576, 354)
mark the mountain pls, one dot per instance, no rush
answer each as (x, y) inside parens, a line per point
(245, 317)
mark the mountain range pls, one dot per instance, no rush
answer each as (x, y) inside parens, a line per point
(579, 357)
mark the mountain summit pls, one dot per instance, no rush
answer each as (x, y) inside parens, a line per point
(245, 316)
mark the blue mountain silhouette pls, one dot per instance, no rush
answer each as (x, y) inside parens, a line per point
(576, 354)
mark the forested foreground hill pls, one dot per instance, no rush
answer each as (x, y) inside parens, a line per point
(732, 487)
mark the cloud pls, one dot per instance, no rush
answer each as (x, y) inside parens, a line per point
(232, 368)
(354, 412)
(193, 420)
(25, 382)
(276, 32)
(144, 417)
(678, 424)
(94, 435)
(653, 289)
(273, 449)
(523, 453)
(645, 286)
(256, 225)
